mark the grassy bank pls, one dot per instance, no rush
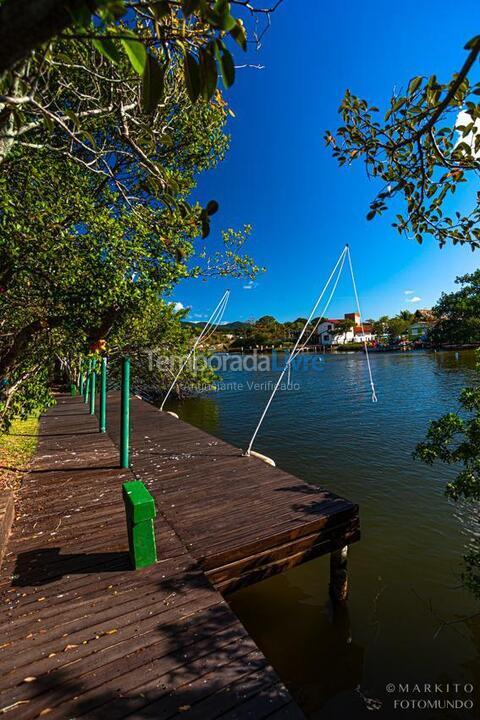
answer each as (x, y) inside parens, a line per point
(16, 450)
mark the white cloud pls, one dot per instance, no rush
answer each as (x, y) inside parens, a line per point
(177, 306)
(414, 299)
(250, 285)
(409, 292)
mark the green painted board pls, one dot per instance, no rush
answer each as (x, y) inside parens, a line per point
(140, 511)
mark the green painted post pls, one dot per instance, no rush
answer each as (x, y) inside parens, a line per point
(125, 414)
(103, 396)
(93, 380)
(73, 389)
(87, 382)
(140, 512)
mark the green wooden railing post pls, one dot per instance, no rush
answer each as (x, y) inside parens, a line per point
(103, 396)
(125, 414)
(93, 380)
(87, 382)
(140, 511)
(73, 389)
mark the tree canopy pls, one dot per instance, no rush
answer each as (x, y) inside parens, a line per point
(423, 148)
(84, 253)
(458, 313)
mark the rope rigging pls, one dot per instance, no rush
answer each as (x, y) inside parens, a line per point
(300, 346)
(210, 326)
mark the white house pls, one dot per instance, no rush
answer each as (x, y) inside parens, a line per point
(328, 334)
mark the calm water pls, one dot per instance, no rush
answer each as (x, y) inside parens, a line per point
(404, 573)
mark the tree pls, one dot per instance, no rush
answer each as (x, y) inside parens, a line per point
(110, 69)
(380, 327)
(342, 327)
(458, 313)
(28, 26)
(422, 150)
(406, 315)
(77, 263)
(86, 109)
(454, 439)
(157, 342)
(397, 328)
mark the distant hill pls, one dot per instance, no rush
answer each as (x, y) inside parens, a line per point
(227, 328)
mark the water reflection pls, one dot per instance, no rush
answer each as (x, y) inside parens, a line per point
(317, 654)
(405, 572)
(203, 412)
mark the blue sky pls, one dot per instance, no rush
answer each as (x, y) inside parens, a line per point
(279, 177)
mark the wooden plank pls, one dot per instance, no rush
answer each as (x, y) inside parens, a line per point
(243, 508)
(81, 633)
(6, 519)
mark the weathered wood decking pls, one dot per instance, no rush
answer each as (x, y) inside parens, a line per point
(242, 519)
(82, 635)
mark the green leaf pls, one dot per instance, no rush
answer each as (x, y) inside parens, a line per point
(90, 138)
(221, 17)
(153, 84)
(160, 9)
(471, 43)
(189, 6)
(107, 48)
(81, 16)
(73, 117)
(191, 72)
(227, 68)
(136, 53)
(414, 84)
(239, 35)
(208, 72)
(212, 207)
(205, 228)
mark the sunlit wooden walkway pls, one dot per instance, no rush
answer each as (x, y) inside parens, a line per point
(82, 635)
(243, 520)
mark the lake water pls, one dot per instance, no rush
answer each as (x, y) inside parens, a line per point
(405, 571)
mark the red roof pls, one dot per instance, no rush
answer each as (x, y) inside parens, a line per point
(359, 330)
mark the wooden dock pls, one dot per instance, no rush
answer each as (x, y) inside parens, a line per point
(82, 635)
(243, 520)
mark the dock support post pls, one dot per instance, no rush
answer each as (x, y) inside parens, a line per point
(103, 396)
(93, 379)
(140, 511)
(125, 414)
(339, 575)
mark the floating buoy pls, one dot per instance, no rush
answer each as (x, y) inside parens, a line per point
(264, 458)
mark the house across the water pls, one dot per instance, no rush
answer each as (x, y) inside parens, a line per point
(337, 331)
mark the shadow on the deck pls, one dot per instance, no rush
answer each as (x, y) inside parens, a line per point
(70, 469)
(198, 667)
(46, 565)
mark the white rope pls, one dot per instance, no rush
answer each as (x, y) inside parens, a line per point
(213, 322)
(217, 321)
(340, 260)
(325, 307)
(372, 384)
